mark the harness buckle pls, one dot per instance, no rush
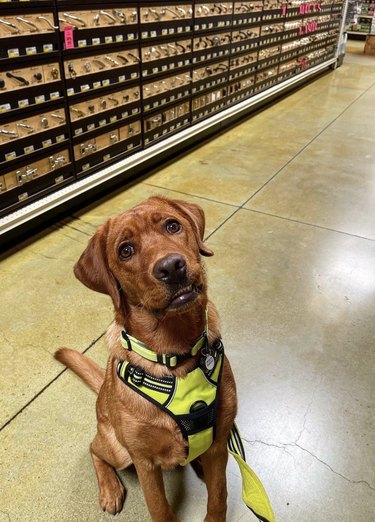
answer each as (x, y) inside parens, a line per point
(167, 359)
(137, 376)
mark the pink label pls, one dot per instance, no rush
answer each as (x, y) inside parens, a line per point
(68, 37)
(308, 28)
(306, 8)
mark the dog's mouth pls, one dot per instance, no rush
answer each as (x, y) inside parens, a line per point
(184, 296)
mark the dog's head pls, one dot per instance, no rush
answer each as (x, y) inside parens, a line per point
(149, 256)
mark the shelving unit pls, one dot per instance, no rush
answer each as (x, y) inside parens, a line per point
(91, 92)
(363, 24)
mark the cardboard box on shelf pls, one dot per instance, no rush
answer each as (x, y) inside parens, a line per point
(370, 45)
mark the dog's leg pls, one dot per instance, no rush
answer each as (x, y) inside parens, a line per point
(214, 463)
(111, 490)
(107, 453)
(151, 480)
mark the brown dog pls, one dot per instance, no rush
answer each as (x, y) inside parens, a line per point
(148, 260)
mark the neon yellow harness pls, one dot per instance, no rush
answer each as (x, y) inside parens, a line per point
(191, 401)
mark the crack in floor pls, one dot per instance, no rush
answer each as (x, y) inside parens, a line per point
(284, 445)
(333, 471)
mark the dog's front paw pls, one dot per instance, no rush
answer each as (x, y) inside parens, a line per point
(112, 494)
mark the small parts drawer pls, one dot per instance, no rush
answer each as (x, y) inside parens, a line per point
(109, 25)
(95, 144)
(27, 135)
(27, 34)
(104, 103)
(211, 9)
(26, 24)
(31, 125)
(37, 75)
(36, 169)
(166, 13)
(100, 149)
(108, 139)
(93, 19)
(166, 116)
(247, 7)
(102, 70)
(28, 86)
(94, 64)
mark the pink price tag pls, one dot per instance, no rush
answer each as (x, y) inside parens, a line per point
(68, 37)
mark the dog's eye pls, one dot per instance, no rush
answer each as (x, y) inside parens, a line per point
(126, 250)
(173, 227)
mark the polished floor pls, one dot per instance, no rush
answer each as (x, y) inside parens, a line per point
(289, 197)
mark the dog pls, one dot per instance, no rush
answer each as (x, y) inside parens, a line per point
(148, 260)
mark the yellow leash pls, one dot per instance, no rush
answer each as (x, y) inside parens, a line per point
(253, 492)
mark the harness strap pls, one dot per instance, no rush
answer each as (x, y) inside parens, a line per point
(170, 360)
(253, 492)
(161, 392)
(190, 400)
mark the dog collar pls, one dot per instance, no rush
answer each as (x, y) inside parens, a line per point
(170, 360)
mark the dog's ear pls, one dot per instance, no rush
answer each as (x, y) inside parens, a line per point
(195, 215)
(92, 267)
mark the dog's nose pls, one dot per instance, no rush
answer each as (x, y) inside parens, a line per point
(171, 269)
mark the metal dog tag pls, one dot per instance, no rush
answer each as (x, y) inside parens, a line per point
(209, 362)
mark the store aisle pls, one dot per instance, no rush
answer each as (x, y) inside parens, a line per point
(289, 197)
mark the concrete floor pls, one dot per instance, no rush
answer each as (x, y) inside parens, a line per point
(289, 197)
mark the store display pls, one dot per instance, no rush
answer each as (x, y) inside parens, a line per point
(105, 146)
(82, 86)
(29, 33)
(361, 18)
(92, 27)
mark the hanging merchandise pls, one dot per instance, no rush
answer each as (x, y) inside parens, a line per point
(85, 86)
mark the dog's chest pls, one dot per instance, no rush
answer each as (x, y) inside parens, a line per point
(149, 433)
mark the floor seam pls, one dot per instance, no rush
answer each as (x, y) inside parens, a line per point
(307, 144)
(193, 195)
(221, 224)
(9, 421)
(308, 224)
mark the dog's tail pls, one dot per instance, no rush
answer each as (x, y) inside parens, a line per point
(85, 368)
